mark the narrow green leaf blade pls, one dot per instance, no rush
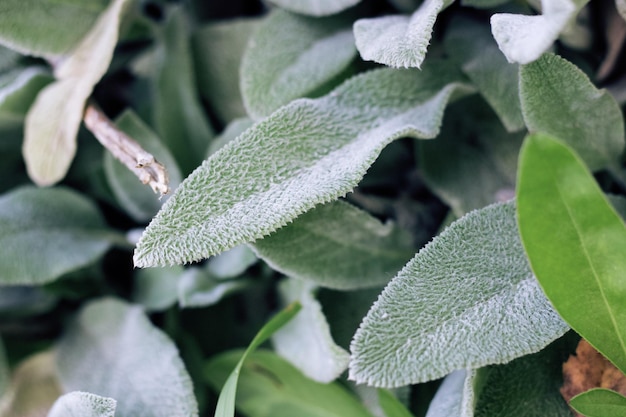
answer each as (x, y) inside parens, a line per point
(559, 99)
(466, 300)
(562, 212)
(46, 233)
(83, 404)
(113, 350)
(290, 57)
(270, 387)
(47, 27)
(600, 402)
(391, 406)
(398, 41)
(315, 7)
(226, 401)
(306, 153)
(337, 245)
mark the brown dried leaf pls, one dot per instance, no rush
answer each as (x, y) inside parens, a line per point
(589, 369)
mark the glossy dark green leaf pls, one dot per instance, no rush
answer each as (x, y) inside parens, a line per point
(600, 402)
(575, 242)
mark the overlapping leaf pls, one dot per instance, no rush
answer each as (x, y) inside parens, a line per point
(113, 350)
(466, 300)
(559, 99)
(83, 404)
(292, 56)
(46, 233)
(306, 153)
(455, 396)
(315, 7)
(398, 41)
(600, 403)
(339, 246)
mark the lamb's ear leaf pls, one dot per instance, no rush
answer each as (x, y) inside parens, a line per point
(47, 28)
(398, 41)
(524, 38)
(585, 237)
(466, 300)
(48, 232)
(554, 93)
(310, 247)
(306, 153)
(291, 56)
(600, 402)
(83, 404)
(456, 395)
(53, 120)
(112, 349)
(315, 8)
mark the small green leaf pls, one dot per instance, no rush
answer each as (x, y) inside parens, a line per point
(231, 263)
(306, 153)
(113, 350)
(217, 50)
(83, 404)
(46, 233)
(156, 289)
(559, 99)
(290, 57)
(337, 245)
(137, 199)
(315, 7)
(47, 28)
(466, 300)
(178, 115)
(398, 41)
(391, 406)
(53, 120)
(198, 288)
(562, 212)
(270, 387)
(523, 38)
(306, 341)
(600, 402)
(455, 397)
(226, 401)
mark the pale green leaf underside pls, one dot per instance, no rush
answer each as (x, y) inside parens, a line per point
(315, 7)
(455, 396)
(466, 300)
(113, 350)
(339, 246)
(270, 386)
(586, 238)
(398, 41)
(83, 404)
(46, 28)
(306, 341)
(600, 402)
(308, 152)
(559, 99)
(52, 122)
(46, 233)
(291, 56)
(523, 38)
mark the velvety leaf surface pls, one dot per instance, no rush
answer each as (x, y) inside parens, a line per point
(231, 263)
(466, 300)
(523, 38)
(270, 387)
(585, 237)
(113, 350)
(455, 396)
(600, 403)
(47, 27)
(290, 57)
(315, 7)
(83, 404)
(483, 63)
(306, 153)
(52, 122)
(46, 233)
(473, 162)
(217, 51)
(137, 199)
(178, 115)
(337, 245)
(558, 98)
(306, 341)
(398, 41)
